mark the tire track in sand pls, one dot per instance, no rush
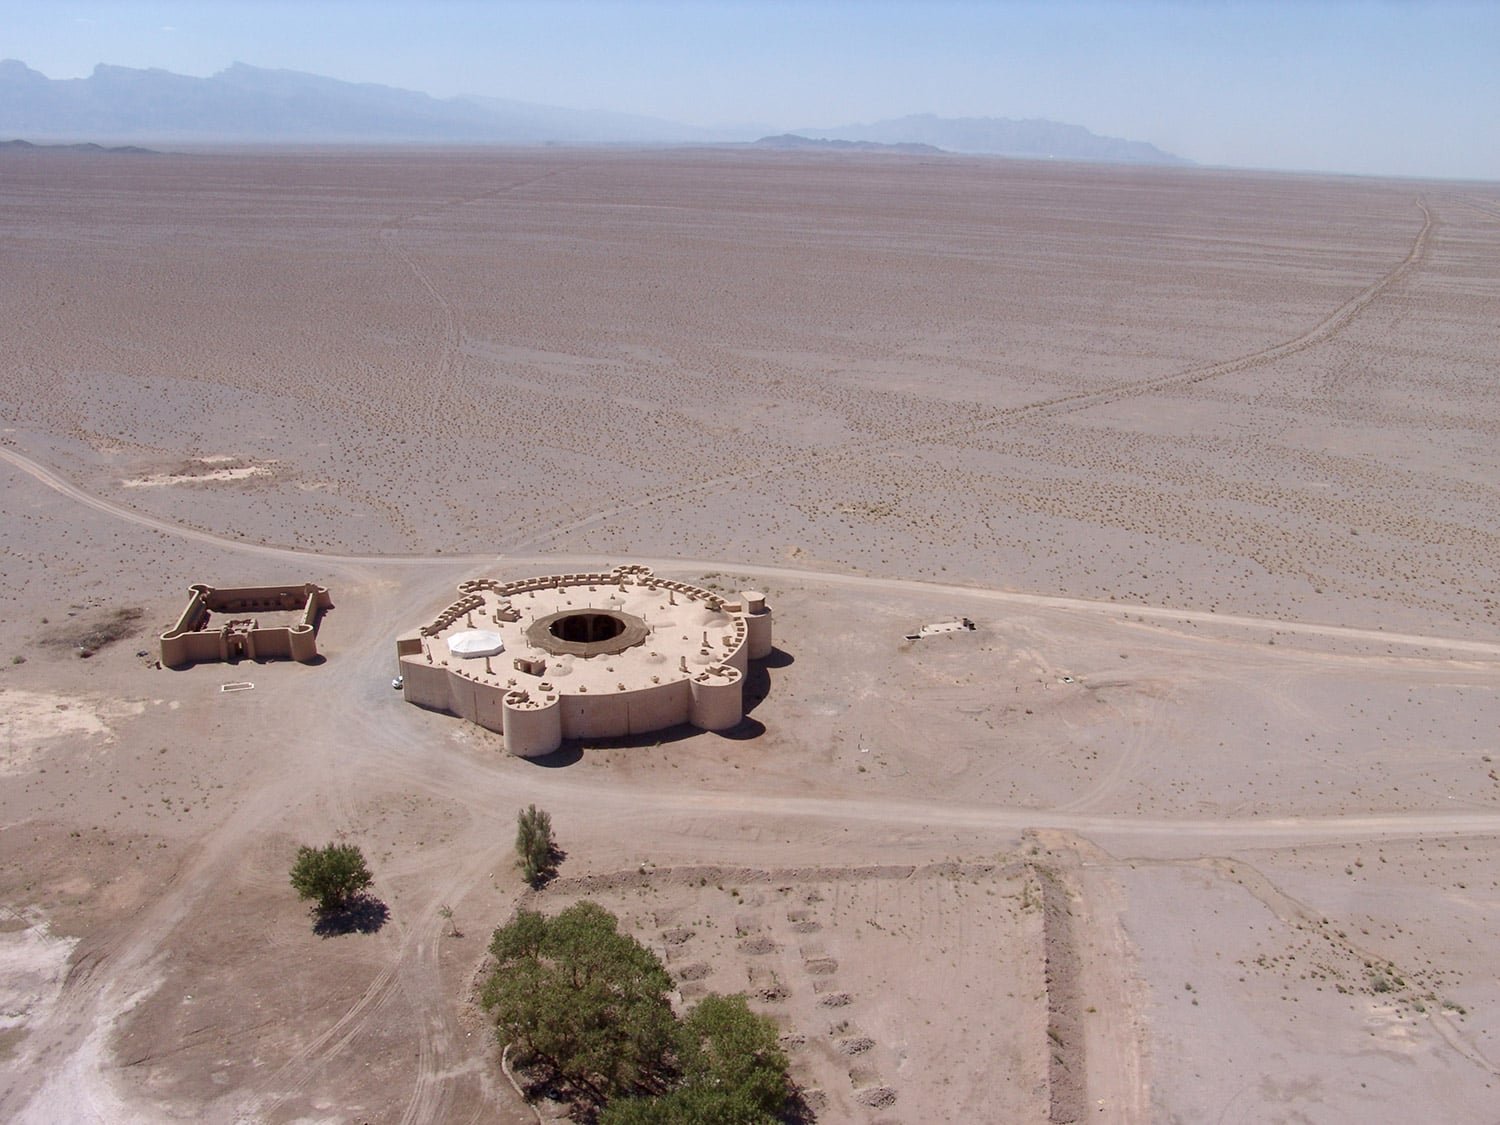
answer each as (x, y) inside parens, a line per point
(1323, 330)
(443, 375)
(995, 418)
(300, 1068)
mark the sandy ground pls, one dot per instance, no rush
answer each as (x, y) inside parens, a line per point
(1199, 823)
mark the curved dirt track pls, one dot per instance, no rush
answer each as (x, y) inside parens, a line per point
(790, 574)
(1324, 329)
(979, 818)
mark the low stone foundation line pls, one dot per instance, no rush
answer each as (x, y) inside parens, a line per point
(586, 655)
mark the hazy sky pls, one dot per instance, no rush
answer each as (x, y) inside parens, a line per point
(1387, 88)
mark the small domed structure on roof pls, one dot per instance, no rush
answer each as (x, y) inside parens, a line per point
(473, 643)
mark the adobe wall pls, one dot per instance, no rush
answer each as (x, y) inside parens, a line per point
(192, 641)
(426, 684)
(610, 714)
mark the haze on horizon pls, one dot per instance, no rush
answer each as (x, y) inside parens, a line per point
(1364, 88)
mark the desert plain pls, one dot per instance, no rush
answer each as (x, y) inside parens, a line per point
(1200, 823)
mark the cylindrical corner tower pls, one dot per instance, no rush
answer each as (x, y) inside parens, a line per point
(533, 723)
(758, 622)
(718, 698)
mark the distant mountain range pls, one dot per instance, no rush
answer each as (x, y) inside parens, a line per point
(27, 146)
(249, 104)
(794, 142)
(1001, 136)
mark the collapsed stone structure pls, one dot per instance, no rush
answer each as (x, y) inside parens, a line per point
(222, 624)
(586, 655)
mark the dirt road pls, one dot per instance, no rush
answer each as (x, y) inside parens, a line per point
(710, 823)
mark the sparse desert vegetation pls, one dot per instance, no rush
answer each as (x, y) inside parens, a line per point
(1197, 823)
(536, 847)
(331, 875)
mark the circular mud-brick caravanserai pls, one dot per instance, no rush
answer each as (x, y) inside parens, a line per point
(595, 655)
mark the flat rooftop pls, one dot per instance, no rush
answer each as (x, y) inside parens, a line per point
(683, 634)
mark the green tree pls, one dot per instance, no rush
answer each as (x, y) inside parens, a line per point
(333, 875)
(585, 1001)
(536, 849)
(690, 1105)
(733, 1070)
(728, 1047)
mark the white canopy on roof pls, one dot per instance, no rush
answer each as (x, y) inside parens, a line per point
(472, 643)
